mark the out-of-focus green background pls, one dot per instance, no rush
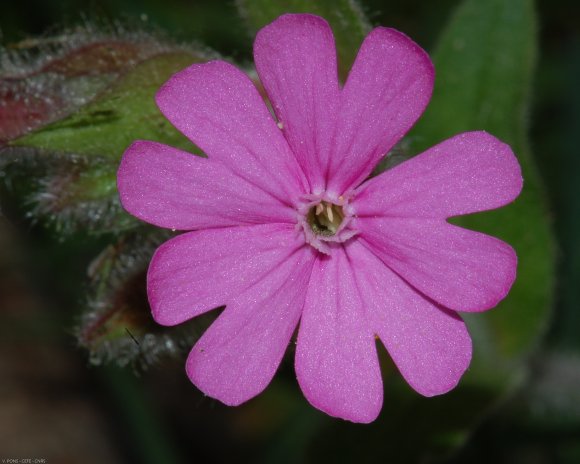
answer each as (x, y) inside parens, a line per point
(54, 404)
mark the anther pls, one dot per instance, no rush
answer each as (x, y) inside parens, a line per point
(325, 218)
(329, 212)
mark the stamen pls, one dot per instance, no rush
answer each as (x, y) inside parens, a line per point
(325, 218)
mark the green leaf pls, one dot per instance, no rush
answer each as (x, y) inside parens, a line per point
(484, 64)
(85, 147)
(346, 17)
(123, 113)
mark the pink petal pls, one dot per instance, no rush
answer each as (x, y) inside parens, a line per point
(336, 358)
(201, 270)
(239, 354)
(430, 345)
(470, 172)
(174, 189)
(296, 60)
(458, 268)
(387, 90)
(220, 110)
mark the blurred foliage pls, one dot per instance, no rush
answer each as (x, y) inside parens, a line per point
(71, 101)
(484, 62)
(556, 139)
(124, 112)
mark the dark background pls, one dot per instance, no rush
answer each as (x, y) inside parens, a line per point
(52, 403)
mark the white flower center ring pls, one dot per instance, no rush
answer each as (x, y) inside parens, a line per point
(325, 220)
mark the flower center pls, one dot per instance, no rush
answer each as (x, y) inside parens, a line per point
(325, 218)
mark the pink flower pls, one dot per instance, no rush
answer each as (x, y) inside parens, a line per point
(284, 228)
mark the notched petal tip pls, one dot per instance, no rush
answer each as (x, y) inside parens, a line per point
(386, 37)
(336, 359)
(495, 290)
(128, 172)
(417, 60)
(467, 173)
(345, 411)
(293, 21)
(509, 274)
(387, 90)
(168, 94)
(197, 376)
(513, 180)
(456, 368)
(219, 108)
(295, 58)
(159, 311)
